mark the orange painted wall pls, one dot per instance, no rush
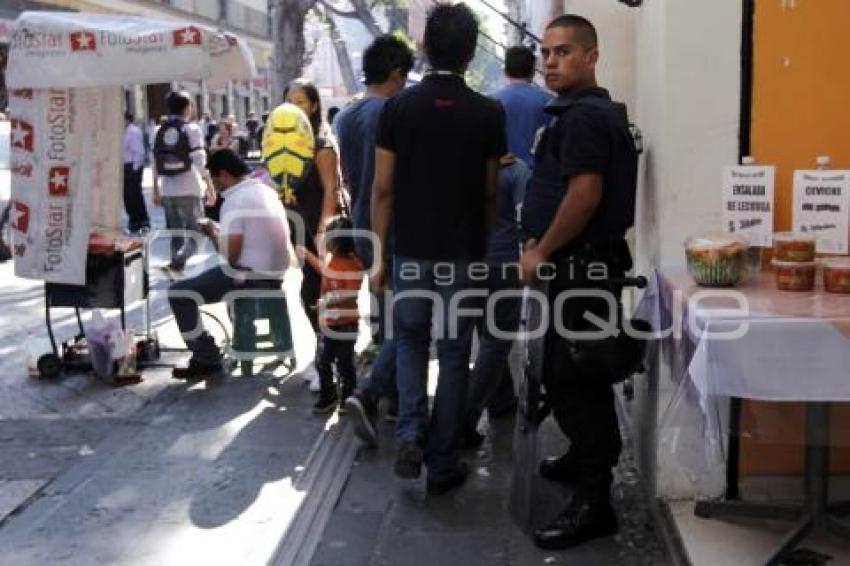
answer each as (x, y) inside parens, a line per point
(801, 109)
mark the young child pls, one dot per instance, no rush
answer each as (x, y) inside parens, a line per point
(342, 276)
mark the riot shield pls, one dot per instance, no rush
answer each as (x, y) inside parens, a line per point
(531, 409)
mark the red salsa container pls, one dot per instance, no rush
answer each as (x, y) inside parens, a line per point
(795, 275)
(836, 275)
(791, 246)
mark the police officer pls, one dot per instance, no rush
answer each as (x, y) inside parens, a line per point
(579, 204)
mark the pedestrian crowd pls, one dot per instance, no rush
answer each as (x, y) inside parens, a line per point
(447, 203)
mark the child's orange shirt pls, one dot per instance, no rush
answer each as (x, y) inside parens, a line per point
(342, 275)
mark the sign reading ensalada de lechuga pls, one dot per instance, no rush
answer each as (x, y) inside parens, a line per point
(748, 193)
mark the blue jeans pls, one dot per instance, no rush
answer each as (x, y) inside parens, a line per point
(490, 364)
(382, 377)
(412, 319)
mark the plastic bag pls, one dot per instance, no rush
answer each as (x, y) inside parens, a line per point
(104, 339)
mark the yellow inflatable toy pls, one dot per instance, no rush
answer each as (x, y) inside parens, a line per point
(288, 149)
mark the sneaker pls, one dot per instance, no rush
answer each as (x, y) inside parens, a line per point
(326, 403)
(452, 481)
(364, 413)
(196, 370)
(408, 462)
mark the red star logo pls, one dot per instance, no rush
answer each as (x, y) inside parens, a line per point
(22, 135)
(57, 181)
(25, 93)
(20, 217)
(187, 36)
(20, 250)
(83, 41)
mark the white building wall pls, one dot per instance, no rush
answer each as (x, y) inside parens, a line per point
(616, 24)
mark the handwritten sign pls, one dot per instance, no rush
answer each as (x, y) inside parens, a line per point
(748, 202)
(821, 207)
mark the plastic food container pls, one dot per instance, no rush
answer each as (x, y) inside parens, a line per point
(716, 260)
(795, 275)
(792, 246)
(836, 275)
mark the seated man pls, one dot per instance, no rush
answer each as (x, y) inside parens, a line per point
(253, 242)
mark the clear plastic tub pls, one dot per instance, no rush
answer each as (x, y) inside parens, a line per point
(795, 275)
(717, 259)
(793, 246)
(836, 275)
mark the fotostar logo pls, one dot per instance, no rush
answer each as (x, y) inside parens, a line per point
(21, 169)
(187, 36)
(22, 135)
(20, 219)
(83, 41)
(58, 180)
(28, 40)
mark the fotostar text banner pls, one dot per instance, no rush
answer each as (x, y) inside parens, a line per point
(66, 177)
(58, 49)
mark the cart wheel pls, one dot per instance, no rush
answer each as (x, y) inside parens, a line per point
(247, 368)
(49, 366)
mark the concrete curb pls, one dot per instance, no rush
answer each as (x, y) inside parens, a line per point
(325, 474)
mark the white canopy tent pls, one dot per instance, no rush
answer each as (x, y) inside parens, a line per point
(65, 74)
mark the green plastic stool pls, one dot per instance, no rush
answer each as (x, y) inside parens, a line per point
(248, 342)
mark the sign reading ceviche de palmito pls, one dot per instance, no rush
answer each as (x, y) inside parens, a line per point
(821, 207)
(748, 192)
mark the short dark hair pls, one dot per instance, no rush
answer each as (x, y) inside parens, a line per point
(451, 35)
(340, 240)
(177, 101)
(584, 30)
(519, 62)
(128, 116)
(386, 54)
(226, 160)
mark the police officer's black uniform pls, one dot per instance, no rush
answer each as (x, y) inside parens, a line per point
(588, 133)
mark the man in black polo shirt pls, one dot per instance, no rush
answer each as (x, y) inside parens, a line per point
(578, 206)
(436, 174)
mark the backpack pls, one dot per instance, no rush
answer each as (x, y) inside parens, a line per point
(288, 148)
(172, 149)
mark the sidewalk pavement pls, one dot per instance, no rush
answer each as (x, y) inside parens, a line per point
(384, 521)
(205, 477)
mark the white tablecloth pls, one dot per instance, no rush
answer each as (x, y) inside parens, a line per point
(791, 346)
